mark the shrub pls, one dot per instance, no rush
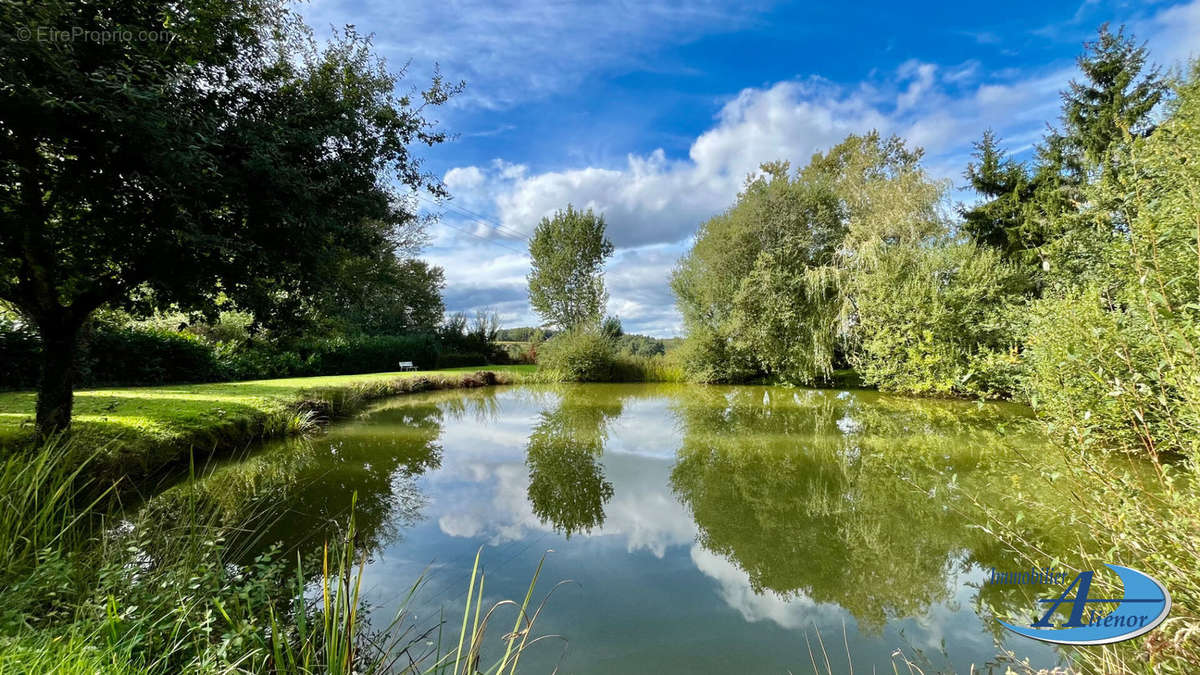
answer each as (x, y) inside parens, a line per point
(461, 359)
(709, 358)
(1113, 364)
(939, 321)
(258, 360)
(578, 356)
(524, 353)
(113, 355)
(20, 353)
(229, 327)
(656, 368)
(122, 355)
(369, 353)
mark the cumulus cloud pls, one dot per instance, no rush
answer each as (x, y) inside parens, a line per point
(654, 202)
(1174, 32)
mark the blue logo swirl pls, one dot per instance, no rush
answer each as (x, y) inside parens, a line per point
(1144, 605)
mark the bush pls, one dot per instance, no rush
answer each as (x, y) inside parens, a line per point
(260, 360)
(20, 353)
(461, 359)
(709, 358)
(524, 353)
(113, 355)
(656, 368)
(578, 356)
(939, 321)
(150, 354)
(120, 355)
(370, 354)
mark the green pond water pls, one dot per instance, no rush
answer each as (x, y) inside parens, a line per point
(704, 529)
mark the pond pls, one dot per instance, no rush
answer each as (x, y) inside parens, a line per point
(704, 529)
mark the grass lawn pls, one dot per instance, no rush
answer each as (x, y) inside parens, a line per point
(154, 422)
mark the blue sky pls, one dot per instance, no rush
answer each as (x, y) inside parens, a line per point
(654, 112)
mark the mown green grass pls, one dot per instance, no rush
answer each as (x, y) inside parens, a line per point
(144, 428)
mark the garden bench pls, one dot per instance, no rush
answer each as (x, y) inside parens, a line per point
(407, 365)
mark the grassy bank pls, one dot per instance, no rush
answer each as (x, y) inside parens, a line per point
(147, 429)
(148, 596)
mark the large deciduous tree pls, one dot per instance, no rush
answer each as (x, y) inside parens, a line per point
(566, 282)
(767, 288)
(202, 148)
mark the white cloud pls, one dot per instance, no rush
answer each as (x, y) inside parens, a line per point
(1175, 34)
(511, 52)
(464, 178)
(653, 202)
(786, 612)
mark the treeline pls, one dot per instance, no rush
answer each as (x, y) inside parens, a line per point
(118, 349)
(1071, 284)
(631, 343)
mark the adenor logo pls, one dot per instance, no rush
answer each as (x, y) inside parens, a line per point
(1094, 620)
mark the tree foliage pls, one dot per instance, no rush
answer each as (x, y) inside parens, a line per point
(1001, 219)
(1114, 363)
(239, 159)
(566, 281)
(940, 320)
(769, 286)
(1032, 213)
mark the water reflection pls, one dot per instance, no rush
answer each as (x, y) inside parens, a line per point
(737, 517)
(567, 487)
(299, 492)
(791, 498)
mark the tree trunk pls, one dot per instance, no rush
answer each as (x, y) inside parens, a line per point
(60, 342)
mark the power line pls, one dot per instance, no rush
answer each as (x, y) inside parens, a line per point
(497, 242)
(465, 211)
(472, 215)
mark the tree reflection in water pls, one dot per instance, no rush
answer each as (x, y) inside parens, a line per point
(813, 493)
(840, 498)
(567, 486)
(298, 492)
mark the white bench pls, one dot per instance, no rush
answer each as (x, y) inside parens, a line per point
(407, 365)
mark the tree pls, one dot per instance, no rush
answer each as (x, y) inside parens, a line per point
(611, 327)
(999, 221)
(1032, 216)
(382, 295)
(767, 288)
(1116, 98)
(566, 282)
(233, 158)
(1101, 117)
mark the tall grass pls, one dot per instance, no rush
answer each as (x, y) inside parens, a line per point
(40, 492)
(465, 658)
(82, 595)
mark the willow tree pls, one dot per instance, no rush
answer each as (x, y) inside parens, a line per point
(768, 286)
(230, 157)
